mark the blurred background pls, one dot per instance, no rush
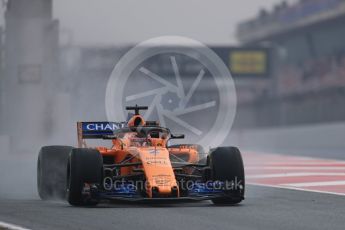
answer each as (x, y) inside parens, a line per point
(287, 59)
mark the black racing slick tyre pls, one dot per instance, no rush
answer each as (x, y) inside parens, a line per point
(51, 172)
(227, 167)
(85, 166)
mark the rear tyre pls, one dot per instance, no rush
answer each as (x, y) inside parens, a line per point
(51, 172)
(227, 166)
(85, 166)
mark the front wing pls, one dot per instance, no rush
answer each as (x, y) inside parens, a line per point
(127, 192)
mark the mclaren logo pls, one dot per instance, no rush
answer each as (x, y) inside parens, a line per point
(154, 151)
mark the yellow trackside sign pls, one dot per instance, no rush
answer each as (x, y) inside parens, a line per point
(248, 62)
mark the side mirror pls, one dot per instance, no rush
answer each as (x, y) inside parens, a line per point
(177, 136)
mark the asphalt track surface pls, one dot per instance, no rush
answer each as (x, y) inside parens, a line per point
(264, 208)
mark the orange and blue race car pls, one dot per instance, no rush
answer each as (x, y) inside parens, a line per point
(140, 165)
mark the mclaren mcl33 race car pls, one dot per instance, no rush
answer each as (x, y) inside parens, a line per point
(139, 165)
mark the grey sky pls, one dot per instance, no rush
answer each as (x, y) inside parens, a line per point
(129, 21)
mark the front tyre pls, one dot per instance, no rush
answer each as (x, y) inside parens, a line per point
(85, 167)
(227, 167)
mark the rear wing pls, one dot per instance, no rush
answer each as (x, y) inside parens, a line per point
(96, 130)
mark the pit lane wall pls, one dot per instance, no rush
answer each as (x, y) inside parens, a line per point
(316, 139)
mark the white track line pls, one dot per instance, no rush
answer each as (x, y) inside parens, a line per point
(11, 226)
(269, 156)
(294, 168)
(302, 174)
(280, 163)
(297, 189)
(316, 184)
